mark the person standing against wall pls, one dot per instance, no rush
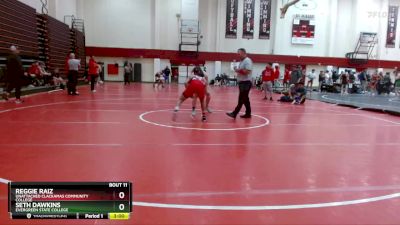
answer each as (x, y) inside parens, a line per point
(321, 80)
(14, 75)
(363, 80)
(344, 81)
(268, 78)
(244, 74)
(277, 74)
(93, 73)
(73, 72)
(167, 73)
(296, 75)
(286, 80)
(397, 82)
(127, 73)
(311, 76)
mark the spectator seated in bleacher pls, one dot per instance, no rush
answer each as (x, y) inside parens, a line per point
(46, 76)
(38, 75)
(58, 81)
(34, 74)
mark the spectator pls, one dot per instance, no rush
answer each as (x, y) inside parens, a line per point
(288, 96)
(335, 77)
(127, 71)
(46, 76)
(218, 80)
(93, 73)
(374, 81)
(344, 81)
(286, 79)
(158, 81)
(277, 74)
(397, 83)
(268, 77)
(15, 75)
(321, 80)
(73, 72)
(34, 74)
(58, 81)
(300, 96)
(167, 73)
(363, 81)
(384, 85)
(131, 75)
(311, 76)
(296, 75)
(328, 78)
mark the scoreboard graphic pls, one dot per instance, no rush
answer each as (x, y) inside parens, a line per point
(303, 32)
(70, 200)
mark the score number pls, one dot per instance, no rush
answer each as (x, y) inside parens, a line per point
(121, 195)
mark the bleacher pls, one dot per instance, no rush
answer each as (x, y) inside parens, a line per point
(39, 37)
(79, 47)
(18, 27)
(60, 43)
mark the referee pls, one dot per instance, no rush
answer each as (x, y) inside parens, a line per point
(244, 80)
(73, 70)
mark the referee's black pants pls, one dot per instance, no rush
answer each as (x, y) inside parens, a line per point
(244, 90)
(72, 81)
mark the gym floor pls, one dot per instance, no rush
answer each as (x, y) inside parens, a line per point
(312, 164)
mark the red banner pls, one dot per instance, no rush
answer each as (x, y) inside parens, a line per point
(231, 18)
(265, 19)
(112, 69)
(248, 18)
(392, 27)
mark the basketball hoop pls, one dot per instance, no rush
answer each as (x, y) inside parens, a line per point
(286, 6)
(307, 5)
(190, 30)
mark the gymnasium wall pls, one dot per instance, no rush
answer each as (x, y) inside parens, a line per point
(153, 24)
(147, 67)
(56, 8)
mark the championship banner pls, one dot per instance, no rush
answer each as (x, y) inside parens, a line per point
(392, 27)
(303, 31)
(231, 18)
(265, 19)
(248, 19)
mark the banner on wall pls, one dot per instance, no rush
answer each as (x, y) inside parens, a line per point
(265, 19)
(231, 18)
(303, 31)
(112, 69)
(248, 18)
(392, 27)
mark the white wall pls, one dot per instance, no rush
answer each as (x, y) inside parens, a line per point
(122, 23)
(283, 33)
(168, 24)
(56, 8)
(147, 68)
(36, 4)
(208, 11)
(63, 7)
(231, 45)
(210, 67)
